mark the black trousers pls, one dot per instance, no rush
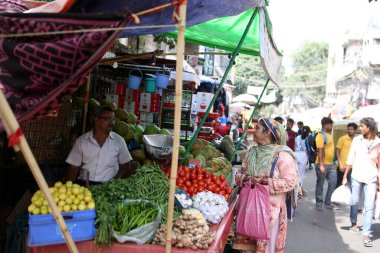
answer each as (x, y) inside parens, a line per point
(340, 178)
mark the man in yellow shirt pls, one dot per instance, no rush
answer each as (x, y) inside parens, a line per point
(342, 149)
(325, 168)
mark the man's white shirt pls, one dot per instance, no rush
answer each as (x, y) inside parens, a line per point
(101, 162)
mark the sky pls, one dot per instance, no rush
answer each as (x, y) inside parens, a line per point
(295, 21)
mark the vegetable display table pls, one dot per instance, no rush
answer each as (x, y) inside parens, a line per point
(217, 245)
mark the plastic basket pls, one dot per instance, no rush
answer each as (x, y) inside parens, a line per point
(134, 81)
(162, 80)
(150, 85)
(44, 230)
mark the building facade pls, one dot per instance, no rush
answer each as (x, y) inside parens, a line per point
(353, 76)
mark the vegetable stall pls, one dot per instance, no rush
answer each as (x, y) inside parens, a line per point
(129, 208)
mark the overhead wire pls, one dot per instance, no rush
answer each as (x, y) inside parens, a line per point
(288, 85)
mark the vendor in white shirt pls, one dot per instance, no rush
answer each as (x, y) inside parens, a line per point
(99, 155)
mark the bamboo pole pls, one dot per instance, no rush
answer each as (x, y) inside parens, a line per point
(177, 121)
(9, 119)
(85, 106)
(130, 57)
(231, 63)
(249, 122)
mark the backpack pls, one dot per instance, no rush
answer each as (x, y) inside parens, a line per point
(311, 145)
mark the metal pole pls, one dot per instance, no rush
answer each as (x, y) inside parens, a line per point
(231, 63)
(249, 122)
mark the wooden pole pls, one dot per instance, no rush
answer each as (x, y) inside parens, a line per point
(85, 106)
(9, 119)
(130, 57)
(177, 120)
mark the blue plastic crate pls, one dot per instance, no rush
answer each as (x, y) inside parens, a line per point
(44, 230)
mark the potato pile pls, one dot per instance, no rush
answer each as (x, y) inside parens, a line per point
(188, 232)
(68, 197)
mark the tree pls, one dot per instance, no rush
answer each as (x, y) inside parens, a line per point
(166, 40)
(248, 71)
(309, 63)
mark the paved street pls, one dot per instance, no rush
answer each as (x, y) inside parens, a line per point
(327, 231)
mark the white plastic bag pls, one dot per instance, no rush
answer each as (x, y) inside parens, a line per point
(342, 195)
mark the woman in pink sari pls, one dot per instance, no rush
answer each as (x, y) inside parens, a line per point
(270, 138)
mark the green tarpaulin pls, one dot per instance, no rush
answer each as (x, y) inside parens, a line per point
(225, 33)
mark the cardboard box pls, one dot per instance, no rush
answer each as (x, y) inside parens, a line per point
(132, 95)
(150, 102)
(131, 107)
(121, 92)
(203, 101)
(147, 117)
(113, 98)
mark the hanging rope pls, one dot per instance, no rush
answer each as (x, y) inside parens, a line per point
(158, 8)
(176, 10)
(5, 36)
(135, 18)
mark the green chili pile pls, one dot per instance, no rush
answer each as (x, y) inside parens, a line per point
(133, 215)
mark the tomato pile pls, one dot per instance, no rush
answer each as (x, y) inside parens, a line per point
(194, 180)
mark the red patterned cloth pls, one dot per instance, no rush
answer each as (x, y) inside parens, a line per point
(38, 73)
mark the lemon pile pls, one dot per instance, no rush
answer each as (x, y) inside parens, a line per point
(68, 197)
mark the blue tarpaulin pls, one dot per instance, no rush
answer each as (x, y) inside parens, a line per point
(198, 11)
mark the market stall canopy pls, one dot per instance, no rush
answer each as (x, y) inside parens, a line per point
(312, 117)
(38, 73)
(225, 33)
(239, 107)
(269, 98)
(367, 111)
(245, 98)
(341, 111)
(198, 11)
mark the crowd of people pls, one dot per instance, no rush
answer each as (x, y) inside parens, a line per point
(280, 157)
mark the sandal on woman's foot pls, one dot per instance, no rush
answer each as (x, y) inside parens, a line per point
(367, 243)
(355, 230)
